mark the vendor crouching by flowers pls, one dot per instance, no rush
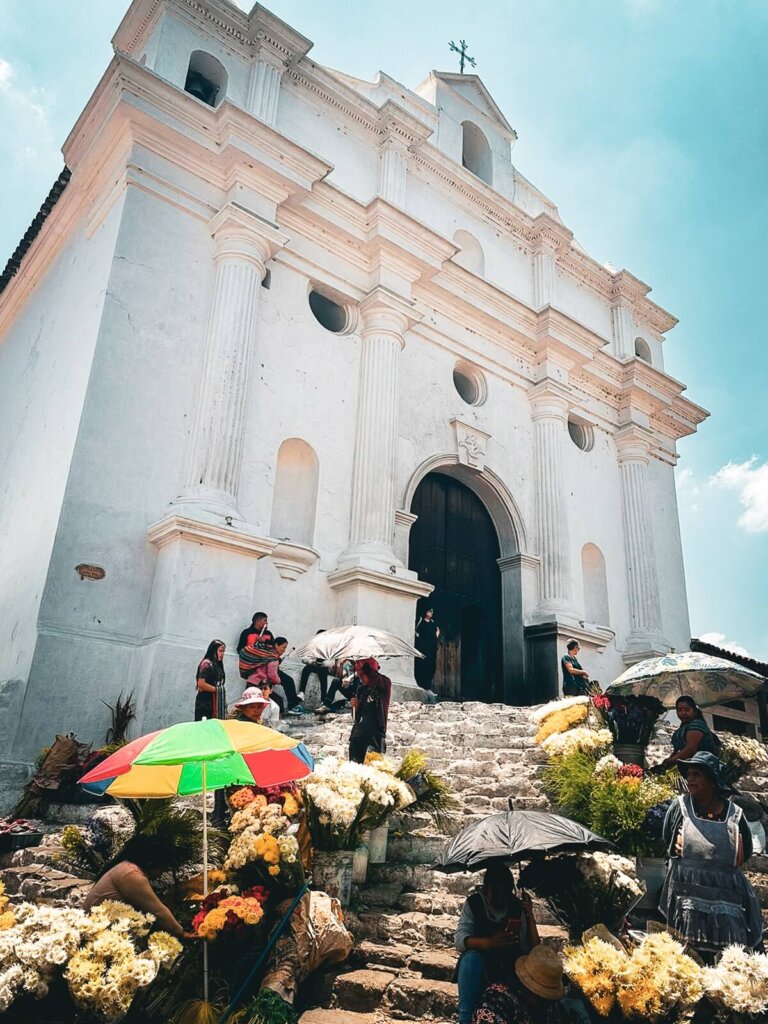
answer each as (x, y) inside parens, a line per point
(495, 928)
(128, 881)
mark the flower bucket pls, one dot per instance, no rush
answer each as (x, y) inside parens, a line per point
(332, 873)
(418, 784)
(376, 841)
(651, 870)
(630, 753)
(360, 864)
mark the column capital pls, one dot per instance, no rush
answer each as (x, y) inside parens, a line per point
(627, 290)
(399, 128)
(384, 312)
(241, 234)
(633, 444)
(549, 400)
(548, 235)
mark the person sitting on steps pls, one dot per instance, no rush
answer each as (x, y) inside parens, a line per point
(495, 928)
(345, 684)
(295, 700)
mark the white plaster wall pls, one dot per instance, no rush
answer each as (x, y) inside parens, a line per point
(505, 264)
(125, 469)
(352, 150)
(45, 361)
(583, 305)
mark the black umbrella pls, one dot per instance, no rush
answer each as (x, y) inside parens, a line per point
(513, 836)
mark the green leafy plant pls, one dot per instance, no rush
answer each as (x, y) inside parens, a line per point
(569, 781)
(266, 1008)
(177, 832)
(432, 793)
(123, 712)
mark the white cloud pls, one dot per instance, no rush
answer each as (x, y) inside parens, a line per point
(750, 480)
(719, 640)
(688, 490)
(23, 110)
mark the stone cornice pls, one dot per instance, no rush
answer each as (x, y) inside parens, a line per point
(401, 127)
(210, 532)
(340, 579)
(247, 34)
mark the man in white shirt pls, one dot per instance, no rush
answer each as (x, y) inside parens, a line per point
(271, 714)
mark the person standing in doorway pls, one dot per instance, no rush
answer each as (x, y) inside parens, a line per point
(370, 708)
(575, 679)
(211, 699)
(427, 636)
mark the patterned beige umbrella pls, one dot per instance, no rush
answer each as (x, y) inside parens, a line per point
(706, 679)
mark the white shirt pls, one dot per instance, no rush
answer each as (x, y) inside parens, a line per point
(270, 716)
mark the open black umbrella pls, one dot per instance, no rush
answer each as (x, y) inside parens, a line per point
(512, 836)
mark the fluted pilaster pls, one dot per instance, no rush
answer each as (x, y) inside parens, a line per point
(392, 170)
(633, 452)
(549, 411)
(544, 278)
(243, 243)
(623, 331)
(264, 90)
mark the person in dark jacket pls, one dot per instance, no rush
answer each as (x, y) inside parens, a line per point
(210, 679)
(495, 928)
(427, 635)
(256, 633)
(370, 707)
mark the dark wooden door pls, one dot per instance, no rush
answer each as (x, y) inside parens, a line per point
(454, 546)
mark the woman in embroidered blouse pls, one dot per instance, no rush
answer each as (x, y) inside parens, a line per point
(692, 736)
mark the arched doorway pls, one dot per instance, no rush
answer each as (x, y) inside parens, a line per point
(454, 546)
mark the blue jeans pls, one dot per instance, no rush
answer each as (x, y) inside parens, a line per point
(472, 983)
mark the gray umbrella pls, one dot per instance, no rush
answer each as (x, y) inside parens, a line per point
(513, 836)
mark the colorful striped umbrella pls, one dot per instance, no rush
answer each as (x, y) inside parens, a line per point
(195, 757)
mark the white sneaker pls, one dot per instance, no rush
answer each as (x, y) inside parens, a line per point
(299, 696)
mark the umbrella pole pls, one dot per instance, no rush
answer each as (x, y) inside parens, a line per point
(205, 882)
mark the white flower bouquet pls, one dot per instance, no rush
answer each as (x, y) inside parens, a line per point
(585, 889)
(737, 987)
(583, 740)
(741, 755)
(343, 799)
(104, 956)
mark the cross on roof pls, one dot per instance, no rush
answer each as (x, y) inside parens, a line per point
(461, 49)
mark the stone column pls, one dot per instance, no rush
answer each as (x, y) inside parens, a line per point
(549, 411)
(633, 453)
(384, 320)
(243, 245)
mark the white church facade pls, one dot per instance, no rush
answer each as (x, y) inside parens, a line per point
(291, 341)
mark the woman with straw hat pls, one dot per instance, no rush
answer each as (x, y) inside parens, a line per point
(536, 996)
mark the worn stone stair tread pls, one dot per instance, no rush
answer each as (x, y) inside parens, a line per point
(421, 997)
(395, 954)
(362, 990)
(336, 1016)
(436, 964)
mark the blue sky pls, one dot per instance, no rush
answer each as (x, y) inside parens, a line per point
(645, 120)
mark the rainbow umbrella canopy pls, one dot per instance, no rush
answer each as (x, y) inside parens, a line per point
(193, 757)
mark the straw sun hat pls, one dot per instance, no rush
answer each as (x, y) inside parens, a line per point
(541, 971)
